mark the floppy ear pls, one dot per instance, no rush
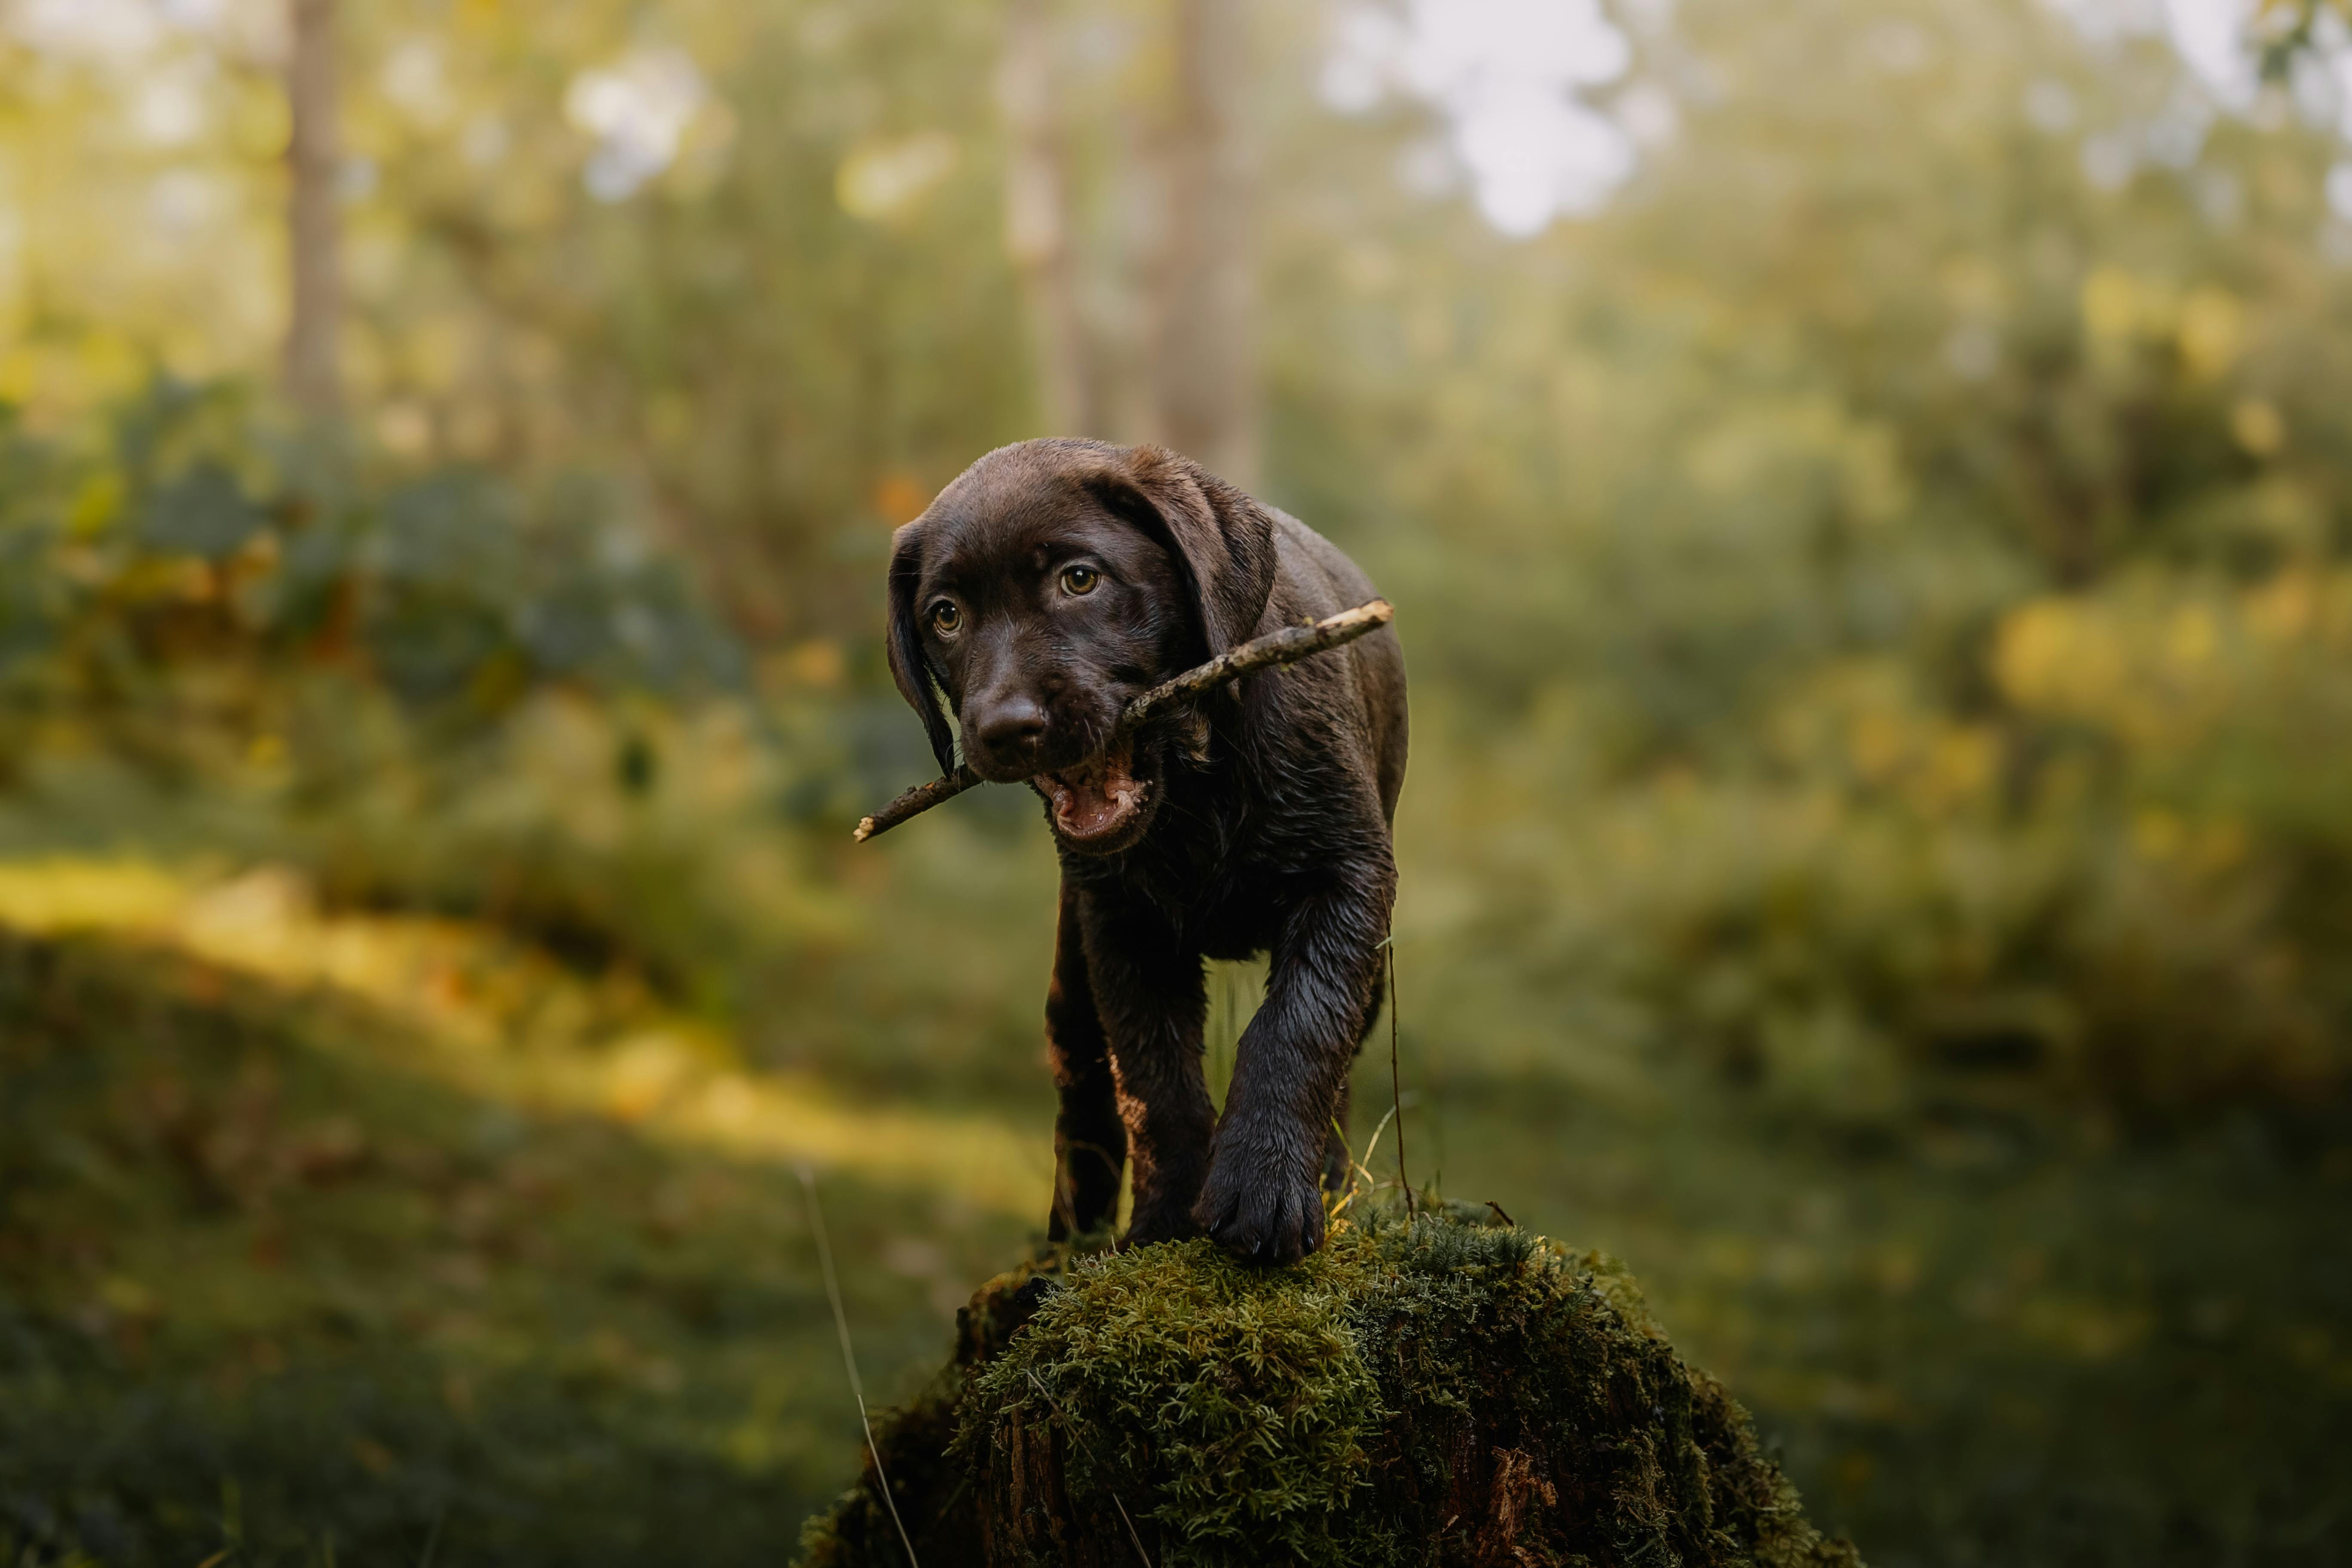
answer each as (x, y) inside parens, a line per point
(912, 672)
(1223, 541)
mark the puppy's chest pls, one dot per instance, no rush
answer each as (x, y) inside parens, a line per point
(1223, 900)
(1223, 864)
(1236, 919)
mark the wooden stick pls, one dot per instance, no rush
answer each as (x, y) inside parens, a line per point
(1287, 646)
(915, 801)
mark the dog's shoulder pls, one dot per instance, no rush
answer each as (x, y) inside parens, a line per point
(1313, 576)
(1347, 709)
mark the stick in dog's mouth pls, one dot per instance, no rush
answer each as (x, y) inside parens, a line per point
(1093, 798)
(1287, 646)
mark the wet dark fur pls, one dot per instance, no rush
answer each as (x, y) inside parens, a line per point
(1266, 829)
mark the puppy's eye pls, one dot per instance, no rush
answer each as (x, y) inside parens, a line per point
(1079, 579)
(946, 619)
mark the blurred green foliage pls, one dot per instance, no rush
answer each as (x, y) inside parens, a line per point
(1952, 539)
(1893, 585)
(189, 578)
(1879, 599)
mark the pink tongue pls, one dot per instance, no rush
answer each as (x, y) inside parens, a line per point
(1092, 800)
(1088, 809)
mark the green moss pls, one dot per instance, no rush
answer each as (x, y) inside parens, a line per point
(1436, 1390)
(932, 1488)
(929, 1480)
(1233, 1400)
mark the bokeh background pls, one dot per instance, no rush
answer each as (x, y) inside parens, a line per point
(1865, 487)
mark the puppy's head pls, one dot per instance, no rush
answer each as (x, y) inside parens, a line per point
(1048, 584)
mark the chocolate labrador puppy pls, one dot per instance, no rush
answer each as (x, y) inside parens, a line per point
(1044, 588)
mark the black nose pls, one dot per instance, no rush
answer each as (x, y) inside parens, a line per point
(1011, 725)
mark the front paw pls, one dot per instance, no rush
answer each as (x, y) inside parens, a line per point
(1261, 1202)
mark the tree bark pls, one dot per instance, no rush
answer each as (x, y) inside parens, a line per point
(1037, 204)
(1204, 373)
(314, 318)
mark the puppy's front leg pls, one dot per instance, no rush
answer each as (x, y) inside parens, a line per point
(1262, 1200)
(1090, 1139)
(1153, 1001)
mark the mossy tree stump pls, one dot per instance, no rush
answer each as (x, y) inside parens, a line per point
(1440, 1390)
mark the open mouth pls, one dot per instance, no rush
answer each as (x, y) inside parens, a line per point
(1096, 798)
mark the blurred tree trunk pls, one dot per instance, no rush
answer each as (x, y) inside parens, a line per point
(315, 317)
(1203, 361)
(1037, 206)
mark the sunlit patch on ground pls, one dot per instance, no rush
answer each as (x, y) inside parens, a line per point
(385, 1200)
(369, 1231)
(506, 1022)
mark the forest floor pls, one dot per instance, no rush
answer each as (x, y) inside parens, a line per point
(383, 1238)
